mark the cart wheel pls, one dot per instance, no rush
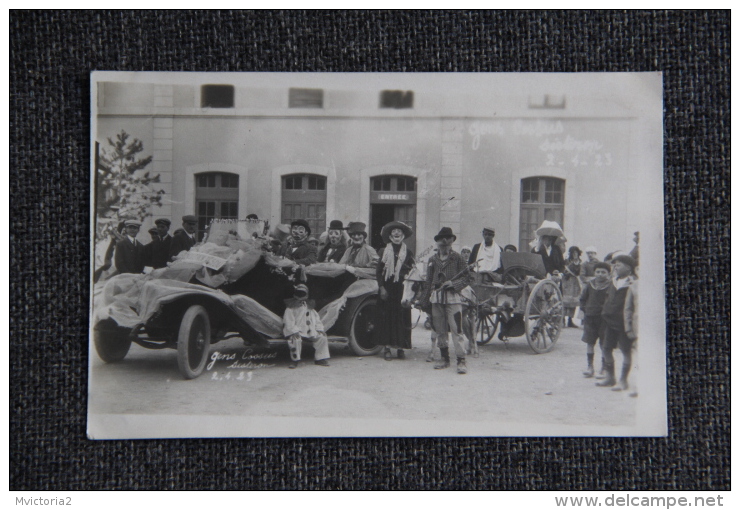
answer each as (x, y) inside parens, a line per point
(112, 342)
(361, 328)
(193, 341)
(481, 326)
(543, 316)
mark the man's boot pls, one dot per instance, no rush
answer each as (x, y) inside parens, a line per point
(590, 370)
(610, 380)
(462, 368)
(622, 386)
(444, 362)
(602, 371)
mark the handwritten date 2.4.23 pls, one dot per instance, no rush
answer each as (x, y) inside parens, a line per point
(230, 376)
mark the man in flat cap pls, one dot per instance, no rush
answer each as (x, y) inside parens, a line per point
(147, 249)
(160, 247)
(184, 237)
(130, 252)
(300, 250)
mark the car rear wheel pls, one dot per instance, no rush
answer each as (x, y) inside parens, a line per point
(193, 341)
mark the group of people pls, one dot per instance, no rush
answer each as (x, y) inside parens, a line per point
(609, 304)
(605, 292)
(391, 265)
(131, 256)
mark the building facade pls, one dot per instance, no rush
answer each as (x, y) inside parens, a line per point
(458, 150)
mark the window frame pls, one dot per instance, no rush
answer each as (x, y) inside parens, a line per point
(541, 206)
(217, 195)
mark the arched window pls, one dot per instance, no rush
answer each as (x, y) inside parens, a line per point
(216, 196)
(542, 199)
(304, 197)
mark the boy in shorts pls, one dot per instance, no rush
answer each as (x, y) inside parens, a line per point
(615, 333)
(592, 303)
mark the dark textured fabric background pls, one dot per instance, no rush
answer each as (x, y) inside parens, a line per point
(52, 54)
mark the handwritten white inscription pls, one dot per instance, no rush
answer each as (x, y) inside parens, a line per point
(570, 144)
(533, 128)
(245, 361)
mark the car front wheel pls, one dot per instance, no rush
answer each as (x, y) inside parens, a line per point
(193, 341)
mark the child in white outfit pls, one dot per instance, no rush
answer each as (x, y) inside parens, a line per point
(301, 322)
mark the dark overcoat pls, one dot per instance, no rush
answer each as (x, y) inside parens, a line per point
(181, 241)
(129, 256)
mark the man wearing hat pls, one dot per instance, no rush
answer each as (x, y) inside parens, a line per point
(447, 275)
(359, 253)
(184, 237)
(147, 248)
(129, 251)
(301, 322)
(613, 315)
(159, 248)
(300, 250)
(486, 256)
(335, 247)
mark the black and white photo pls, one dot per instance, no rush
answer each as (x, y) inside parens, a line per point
(389, 254)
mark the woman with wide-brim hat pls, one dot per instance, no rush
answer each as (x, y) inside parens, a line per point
(546, 245)
(393, 330)
(336, 244)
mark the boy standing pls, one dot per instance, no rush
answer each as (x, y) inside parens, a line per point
(447, 275)
(613, 315)
(592, 303)
(301, 321)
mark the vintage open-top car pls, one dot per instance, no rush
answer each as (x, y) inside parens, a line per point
(225, 289)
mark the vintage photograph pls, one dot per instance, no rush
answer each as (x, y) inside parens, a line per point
(376, 255)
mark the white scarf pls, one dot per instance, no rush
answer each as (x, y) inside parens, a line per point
(388, 262)
(489, 257)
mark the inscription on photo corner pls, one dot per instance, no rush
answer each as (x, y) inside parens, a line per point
(248, 360)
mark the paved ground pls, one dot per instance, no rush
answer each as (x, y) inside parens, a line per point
(505, 384)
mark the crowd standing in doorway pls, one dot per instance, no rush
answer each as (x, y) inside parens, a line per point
(600, 296)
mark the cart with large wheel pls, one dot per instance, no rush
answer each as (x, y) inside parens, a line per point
(526, 302)
(172, 308)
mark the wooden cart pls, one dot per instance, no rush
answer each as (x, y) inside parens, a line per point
(526, 302)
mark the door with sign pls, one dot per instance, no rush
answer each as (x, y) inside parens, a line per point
(392, 198)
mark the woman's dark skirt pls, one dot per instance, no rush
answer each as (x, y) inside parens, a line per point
(393, 323)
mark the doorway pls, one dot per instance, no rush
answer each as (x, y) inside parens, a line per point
(392, 198)
(382, 214)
